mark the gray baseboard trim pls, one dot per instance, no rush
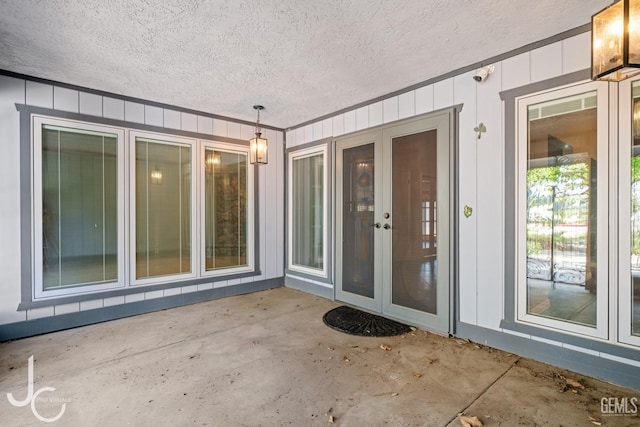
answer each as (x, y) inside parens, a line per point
(582, 363)
(312, 288)
(12, 331)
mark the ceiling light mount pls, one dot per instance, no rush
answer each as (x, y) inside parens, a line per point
(258, 146)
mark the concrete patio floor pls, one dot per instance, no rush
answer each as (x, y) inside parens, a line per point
(267, 359)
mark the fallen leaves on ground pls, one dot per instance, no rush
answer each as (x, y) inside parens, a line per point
(332, 419)
(467, 421)
(394, 394)
(572, 383)
(416, 376)
(385, 347)
(595, 420)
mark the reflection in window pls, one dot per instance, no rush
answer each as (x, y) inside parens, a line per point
(79, 207)
(561, 209)
(225, 209)
(358, 195)
(308, 211)
(163, 208)
(635, 213)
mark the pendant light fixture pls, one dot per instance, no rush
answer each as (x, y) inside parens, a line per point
(615, 41)
(258, 145)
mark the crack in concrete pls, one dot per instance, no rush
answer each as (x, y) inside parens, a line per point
(483, 392)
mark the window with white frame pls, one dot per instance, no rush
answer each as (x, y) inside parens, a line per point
(227, 212)
(563, 209)
(162, 204)
(118, 208)
(78, 185)
(308, 182)
(629, 212)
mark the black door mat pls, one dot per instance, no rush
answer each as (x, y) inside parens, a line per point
(355, 322)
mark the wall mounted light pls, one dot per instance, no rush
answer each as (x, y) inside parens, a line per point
(258, 145)
(615, 41)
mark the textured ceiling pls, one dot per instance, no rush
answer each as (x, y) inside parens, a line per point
(300, 59)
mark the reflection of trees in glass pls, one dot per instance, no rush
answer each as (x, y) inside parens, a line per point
(635, 205)
(558, 199)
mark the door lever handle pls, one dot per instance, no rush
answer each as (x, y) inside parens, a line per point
(376, 225)
(386, 226)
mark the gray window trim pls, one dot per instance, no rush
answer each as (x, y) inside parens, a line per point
(26, 183)
(509, 321)
(329, 209)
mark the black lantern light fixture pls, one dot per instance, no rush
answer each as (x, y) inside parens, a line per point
(258, 145)
(615, 41)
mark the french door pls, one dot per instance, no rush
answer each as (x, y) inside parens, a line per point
(393, 215)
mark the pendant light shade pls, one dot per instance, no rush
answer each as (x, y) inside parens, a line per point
(615, 37)
(258, 153)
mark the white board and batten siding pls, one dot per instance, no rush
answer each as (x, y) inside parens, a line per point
(480, 161)
(22, 91)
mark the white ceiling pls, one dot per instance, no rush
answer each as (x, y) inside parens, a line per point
(301, 59)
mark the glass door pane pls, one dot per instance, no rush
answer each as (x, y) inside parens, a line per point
(414, 237)
(358, 191)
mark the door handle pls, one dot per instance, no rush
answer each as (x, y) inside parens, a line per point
(386, 226)
(376, 225)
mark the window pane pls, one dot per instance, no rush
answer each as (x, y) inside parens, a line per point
(308, 211)
(79, 207)
(635, 213)
(561, 209)
(163, 208)
(225, 209)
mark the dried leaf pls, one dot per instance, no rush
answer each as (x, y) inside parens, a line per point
(345, 358)
(385, 347)
(394, 394)
(416, 376)
(332, 419)
(574, 383)
(595, 421)
(470, 421)
(330, 348)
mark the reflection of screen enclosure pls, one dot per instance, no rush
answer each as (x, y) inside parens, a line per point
(561, 209)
